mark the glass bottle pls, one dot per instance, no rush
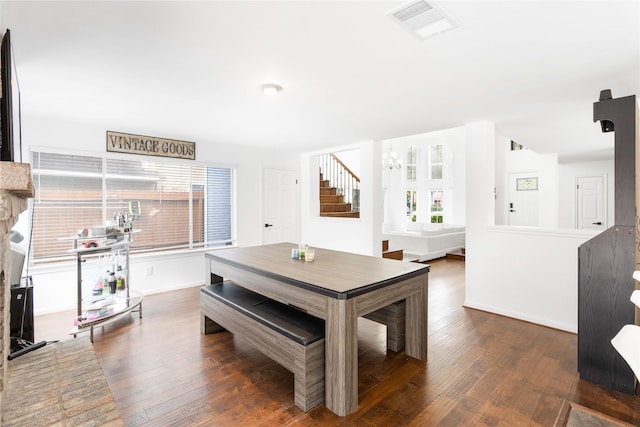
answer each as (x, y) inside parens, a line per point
(105, 282)
(112, 282)
(120, 279)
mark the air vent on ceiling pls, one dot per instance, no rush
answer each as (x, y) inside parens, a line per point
(422, 18)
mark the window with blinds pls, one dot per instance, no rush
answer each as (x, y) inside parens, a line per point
(175, 205)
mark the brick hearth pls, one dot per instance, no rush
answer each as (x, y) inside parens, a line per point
(60, 384)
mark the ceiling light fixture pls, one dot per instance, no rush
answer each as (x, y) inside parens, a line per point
(391, 161)
(271, 89)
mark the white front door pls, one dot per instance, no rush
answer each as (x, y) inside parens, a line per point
(590, 203)
(523, 199)
(280, 206)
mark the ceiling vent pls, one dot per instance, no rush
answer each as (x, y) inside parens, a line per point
(423, 19)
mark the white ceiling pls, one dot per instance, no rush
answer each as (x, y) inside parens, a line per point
(193, 70)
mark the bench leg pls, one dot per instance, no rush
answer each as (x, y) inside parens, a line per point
(396, 329)
(208, 326)
(393, 316)
(309, 377)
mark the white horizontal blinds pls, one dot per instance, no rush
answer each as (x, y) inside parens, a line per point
(162, 191)
(218, 206)
(68, 198)
(77, 192)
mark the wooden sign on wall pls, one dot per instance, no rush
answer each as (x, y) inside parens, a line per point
(118, 142)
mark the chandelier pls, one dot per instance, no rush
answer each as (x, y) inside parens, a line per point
(390, 161)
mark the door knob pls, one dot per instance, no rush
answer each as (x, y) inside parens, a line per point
(268, 225)
(597, 223)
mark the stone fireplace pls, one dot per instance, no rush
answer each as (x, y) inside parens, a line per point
(15, 188)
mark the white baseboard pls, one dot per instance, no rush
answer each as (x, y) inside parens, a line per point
(522, 316)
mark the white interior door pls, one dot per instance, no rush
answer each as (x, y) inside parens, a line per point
(590, 200)
(523, 199)
(280, 206)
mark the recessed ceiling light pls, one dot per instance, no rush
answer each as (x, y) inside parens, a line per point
(271, 89)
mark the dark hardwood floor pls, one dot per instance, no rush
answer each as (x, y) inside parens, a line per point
(483, 369)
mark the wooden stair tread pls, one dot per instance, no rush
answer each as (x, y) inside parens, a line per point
(341, 214)
(397, 254)
(335, 207)
(331, 198)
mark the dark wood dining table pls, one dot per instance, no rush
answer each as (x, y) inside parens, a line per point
(338, 287)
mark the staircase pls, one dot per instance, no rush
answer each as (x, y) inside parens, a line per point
(339, 189)
(333, 204)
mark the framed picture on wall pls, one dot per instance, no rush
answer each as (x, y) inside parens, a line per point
(527, 184)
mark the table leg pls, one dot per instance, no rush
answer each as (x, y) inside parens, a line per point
(210, 277)
(416, 322)
(341, 356)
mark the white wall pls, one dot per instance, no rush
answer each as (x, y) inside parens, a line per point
(55, 286)
(525, 273)
(457, 140)
(528, 274)
(358, 235)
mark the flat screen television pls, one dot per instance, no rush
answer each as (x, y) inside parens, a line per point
(10, 127)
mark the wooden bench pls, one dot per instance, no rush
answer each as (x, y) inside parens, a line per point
(288, 336)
